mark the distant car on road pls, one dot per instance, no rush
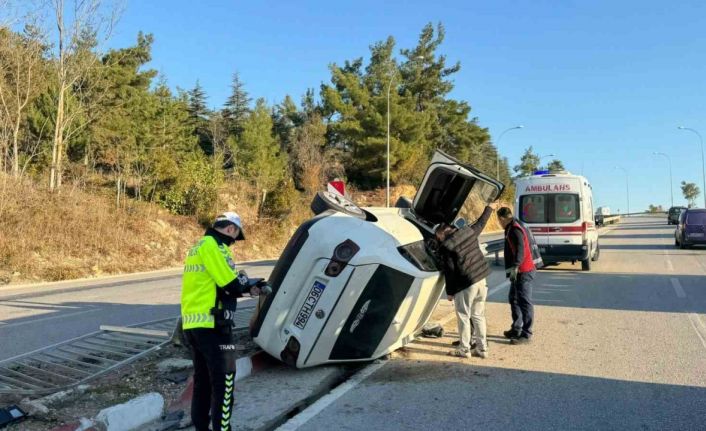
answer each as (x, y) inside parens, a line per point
(673, 214)
(691, 229)
(601, 213)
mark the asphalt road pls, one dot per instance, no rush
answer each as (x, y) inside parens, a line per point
(37, 316)
(620, 347)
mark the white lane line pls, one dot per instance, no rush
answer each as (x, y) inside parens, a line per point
(677, 287)
(500, 286)
(62, 316)
(699, 327)
(670, 266)
(302, 418)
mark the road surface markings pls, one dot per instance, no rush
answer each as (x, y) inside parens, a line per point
(699, 327)
(61, 316)
(302, 418)
(677, 287)
(670, 266)
(500, 286)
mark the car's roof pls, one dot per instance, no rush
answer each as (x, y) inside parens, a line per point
(696, 210)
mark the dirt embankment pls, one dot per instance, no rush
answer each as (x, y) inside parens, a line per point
(48, 236)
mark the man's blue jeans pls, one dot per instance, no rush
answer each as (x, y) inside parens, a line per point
(520, 299)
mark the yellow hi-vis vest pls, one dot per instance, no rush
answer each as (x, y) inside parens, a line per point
(208, 266)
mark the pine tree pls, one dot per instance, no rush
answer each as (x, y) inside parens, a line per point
(237, 107)
(260, 154)
(556, 165)
(529, 163)
(198, 115)
(286, 117)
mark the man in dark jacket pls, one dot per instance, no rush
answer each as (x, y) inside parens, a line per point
(520, 269)
(465, 270)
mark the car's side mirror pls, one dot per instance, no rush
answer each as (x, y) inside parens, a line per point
(460, 222)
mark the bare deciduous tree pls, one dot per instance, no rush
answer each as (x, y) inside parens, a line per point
(89, 25)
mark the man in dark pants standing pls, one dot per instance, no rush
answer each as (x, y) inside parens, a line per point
(210, 287)
(520, 269)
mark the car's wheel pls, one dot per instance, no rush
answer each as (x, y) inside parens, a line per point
(682, 245)
(324, 201)
(597, 254)
(586, 265)
(676, 242)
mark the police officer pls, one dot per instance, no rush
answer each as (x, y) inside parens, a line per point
(210, 286)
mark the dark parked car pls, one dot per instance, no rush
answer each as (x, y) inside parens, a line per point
(691, 229)
(673, 214)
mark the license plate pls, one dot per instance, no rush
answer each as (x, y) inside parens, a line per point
(696, 235)
(309, 304)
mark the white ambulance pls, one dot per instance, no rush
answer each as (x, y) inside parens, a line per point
(558, 208)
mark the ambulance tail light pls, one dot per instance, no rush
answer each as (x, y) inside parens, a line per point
(584, 229)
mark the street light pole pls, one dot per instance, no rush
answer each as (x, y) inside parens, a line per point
(389, 86)
(627, 185)
(497, 150)
(703, 169)
(671, 183)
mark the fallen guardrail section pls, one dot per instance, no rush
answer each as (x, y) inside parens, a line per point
(74, 362)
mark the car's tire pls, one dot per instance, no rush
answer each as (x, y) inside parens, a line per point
(324, 201)
(597, 254)
(676, 242)
(682, 245)
(586, 265)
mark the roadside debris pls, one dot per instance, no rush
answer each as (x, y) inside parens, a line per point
(132, 414)
(11, 414)
(432, 330)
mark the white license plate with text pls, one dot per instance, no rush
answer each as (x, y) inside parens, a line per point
(309, 304)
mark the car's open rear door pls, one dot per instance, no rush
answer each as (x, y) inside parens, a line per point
(451, 188)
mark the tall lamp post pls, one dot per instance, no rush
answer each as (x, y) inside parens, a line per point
(671, 183)
(703, 170)
(389, 86)
(497, 149)
(627, 185)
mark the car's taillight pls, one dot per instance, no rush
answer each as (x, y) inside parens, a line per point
(584, 229)
(290, 354)
(342, 254)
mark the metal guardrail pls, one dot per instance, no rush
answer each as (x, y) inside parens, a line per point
(77, 361)
(611, 219)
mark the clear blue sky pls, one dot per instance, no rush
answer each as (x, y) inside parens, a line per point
(597, 83)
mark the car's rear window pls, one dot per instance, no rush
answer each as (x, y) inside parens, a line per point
(696, 217)
(550, 208)
(675, 210)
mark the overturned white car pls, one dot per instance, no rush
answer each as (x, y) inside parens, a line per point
(354, 284)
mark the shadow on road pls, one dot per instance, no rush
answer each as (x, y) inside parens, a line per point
(617, 291)
(510, 399)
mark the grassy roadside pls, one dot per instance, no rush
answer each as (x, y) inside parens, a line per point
(50, 237)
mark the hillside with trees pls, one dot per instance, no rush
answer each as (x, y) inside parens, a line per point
(82, 124)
